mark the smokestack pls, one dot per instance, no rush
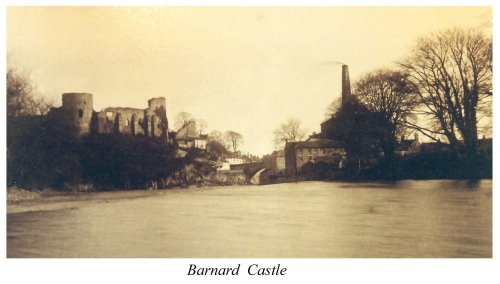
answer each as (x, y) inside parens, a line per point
(346, 84)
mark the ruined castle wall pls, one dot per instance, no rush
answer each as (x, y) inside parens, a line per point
(157, 117)
(121, 120)
(104, 123)
(151, 121)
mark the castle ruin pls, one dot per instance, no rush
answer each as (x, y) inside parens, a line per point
(152, 121)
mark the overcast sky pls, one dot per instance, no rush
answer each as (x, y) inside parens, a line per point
(241, 69)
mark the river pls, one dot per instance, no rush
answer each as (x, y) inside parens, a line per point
(306, 219)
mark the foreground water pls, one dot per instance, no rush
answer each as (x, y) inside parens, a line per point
(307, 219)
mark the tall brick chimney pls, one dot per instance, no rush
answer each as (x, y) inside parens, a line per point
(346, 84)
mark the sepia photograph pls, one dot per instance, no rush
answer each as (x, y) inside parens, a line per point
(249, 132)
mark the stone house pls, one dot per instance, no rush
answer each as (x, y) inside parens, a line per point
(313, 151)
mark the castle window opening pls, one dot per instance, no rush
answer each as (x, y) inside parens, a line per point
(109, 115)
(80, 113)
(127, 122)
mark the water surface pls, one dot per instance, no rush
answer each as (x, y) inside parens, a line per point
(306, 219)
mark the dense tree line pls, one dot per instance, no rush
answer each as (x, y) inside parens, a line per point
(41, 151)
(123, 161)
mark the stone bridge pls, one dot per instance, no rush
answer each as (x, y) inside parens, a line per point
(250, 170)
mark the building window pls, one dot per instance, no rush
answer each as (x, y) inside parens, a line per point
(127, 122)
(80, 113)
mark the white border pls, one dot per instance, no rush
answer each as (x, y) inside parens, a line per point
(300, 270)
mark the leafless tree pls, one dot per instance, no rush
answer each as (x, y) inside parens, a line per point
(182, 119)
(21, 100)
(235, 139)
(217, 136)
(452, 74)
(390, 94)
(290, 130)
(202, 125)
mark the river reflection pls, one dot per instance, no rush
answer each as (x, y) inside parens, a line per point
(306, 219)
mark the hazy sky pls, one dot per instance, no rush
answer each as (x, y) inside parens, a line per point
(241, 69)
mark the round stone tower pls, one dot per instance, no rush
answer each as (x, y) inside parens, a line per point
(78, 108)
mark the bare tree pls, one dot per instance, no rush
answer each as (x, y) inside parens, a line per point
(390, 94)
(20, 97)
(201, 124)
(290, 130)
(452, 74)
(217, 136)
(235, 139)
(217, 145)
(182, 119)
